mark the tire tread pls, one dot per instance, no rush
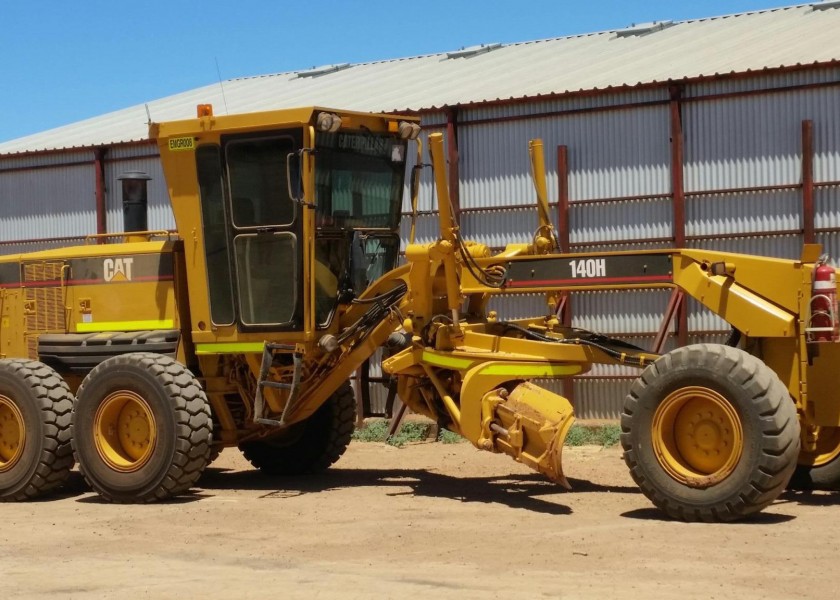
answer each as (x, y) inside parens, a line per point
(194, 427)
(779, 433)
(55, 403)
(336, 437)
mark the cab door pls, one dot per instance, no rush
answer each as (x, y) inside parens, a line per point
(264, 231)
(253, 240)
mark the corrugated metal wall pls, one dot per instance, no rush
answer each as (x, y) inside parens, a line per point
(53, 195)
(751, 141)
(741, 169)
(735, 85)
(46, 196)
(611, 153)
(567, 104)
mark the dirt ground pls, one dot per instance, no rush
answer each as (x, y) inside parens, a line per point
(426, 520)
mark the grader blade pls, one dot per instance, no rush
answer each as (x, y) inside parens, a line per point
(530, 424)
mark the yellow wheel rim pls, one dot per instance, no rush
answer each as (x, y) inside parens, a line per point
(12, 434)
(697, 436)
(124, 431)
(828, 448)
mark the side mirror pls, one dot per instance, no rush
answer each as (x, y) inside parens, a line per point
(294, 176)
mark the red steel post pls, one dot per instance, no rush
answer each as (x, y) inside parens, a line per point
(564, 306)
(808, 181)
(454, 174)
(563, 197)
(674, 304)
(678, 192)
(99, 175)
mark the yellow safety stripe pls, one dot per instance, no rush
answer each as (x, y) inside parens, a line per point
(124, 325)
(229, 348)
(514, 369)
(531, 370)
(447, 362)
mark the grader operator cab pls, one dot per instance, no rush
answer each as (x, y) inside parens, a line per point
(271, 255)
(244, 329)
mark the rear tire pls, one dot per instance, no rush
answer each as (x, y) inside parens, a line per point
(710, 433)
(825, 477)
(142, 428)
(35, 408)
(820, 470)
(312, 445)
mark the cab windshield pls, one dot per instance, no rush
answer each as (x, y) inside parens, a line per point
(359, 180)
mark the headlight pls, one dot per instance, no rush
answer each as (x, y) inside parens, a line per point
(328, 122)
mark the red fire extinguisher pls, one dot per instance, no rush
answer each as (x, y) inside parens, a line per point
(823, 324)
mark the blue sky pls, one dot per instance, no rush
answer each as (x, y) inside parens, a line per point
(62, 62)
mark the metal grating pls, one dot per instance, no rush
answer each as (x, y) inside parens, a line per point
(45, 311)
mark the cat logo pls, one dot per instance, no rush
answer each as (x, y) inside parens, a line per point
(117, 269)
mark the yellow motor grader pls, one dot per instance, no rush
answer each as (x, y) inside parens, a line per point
(141, 355)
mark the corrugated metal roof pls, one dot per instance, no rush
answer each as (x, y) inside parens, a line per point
(754, 41)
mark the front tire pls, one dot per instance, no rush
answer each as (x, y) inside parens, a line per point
(312, 445)
(35, 408)
(142, 428)
(710, 433)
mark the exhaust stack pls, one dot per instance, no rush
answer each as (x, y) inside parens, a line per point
(135, 203)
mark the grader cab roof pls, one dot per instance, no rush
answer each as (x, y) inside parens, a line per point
(256, 121)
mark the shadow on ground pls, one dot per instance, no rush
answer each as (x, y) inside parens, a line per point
(531, 492)
(73, 487)
(819, 498)
(654, 514)
(811, 497)
(514, 491)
